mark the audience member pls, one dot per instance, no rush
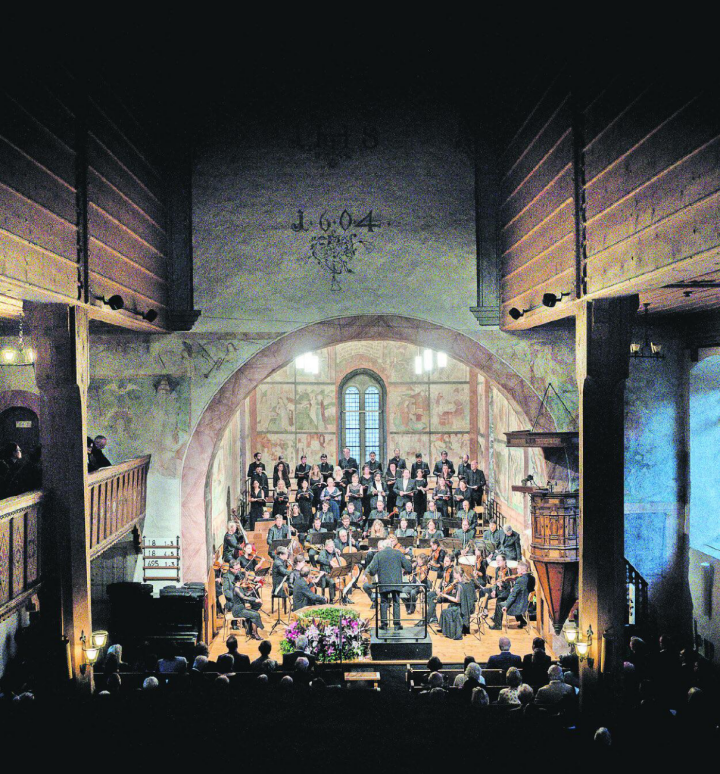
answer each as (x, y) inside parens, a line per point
(505, 659)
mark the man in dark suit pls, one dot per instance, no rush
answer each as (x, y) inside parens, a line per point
(476, 483)
(504, 659)
(326, 469)
(256, 463)
(388, 565)
(398, 460)
(289, 659)
(419, 464)
(373, 463)
(348, 465)
(240, 660)
(303, 595)
(438, 469)
(510, 544)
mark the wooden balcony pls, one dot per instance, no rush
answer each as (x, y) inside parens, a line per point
(117, 501)
(19, 550)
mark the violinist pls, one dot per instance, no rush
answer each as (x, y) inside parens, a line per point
(431, 531)
(501, 586)
(232, 542)
(278, 531)
(282, 574)
(248, 561)
(516, 601)
(445, 576)
(303, 595)
(455, 618)
(327, 560)
(436, 557)
(241, 601)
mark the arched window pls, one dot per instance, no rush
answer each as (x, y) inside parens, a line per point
(362, 426)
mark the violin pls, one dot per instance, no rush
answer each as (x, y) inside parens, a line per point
(448, 590)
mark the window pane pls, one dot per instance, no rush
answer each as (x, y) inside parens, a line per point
(352, 421)
(372, 421)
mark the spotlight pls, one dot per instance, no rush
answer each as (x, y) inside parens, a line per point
(515, 313)
(114, 302)
(550, 299)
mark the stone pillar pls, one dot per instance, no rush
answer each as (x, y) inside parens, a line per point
(60, 336)
(603, 331)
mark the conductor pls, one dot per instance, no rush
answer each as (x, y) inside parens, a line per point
(387, 566)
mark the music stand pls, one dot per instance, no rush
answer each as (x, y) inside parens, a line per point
(406, 542)
(283, 582)
(451, 544)
(340, 572)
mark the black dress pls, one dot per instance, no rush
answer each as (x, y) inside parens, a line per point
(257, 508)
(304, 499)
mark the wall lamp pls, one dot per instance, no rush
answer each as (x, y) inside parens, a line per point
(550, 299)
(91, 648)
(516, 314)
(579, 644)
(150, 315)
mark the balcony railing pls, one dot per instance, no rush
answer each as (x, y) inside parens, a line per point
(19, 550)
(117, 501)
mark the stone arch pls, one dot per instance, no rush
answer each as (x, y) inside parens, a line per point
(228, 399)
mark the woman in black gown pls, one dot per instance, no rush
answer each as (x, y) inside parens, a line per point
(257, 504)
(304, 500)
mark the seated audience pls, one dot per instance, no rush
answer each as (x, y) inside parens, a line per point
(505, 659)
(556, 692)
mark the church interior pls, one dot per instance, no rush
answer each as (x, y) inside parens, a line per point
(483, 290)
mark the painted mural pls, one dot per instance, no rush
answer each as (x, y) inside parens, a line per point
(142, 413)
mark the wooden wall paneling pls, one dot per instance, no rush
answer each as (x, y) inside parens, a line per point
(685, 235)
(32, 548)
(29, 264)
(120, 269)
(5, 560)
(18, 554)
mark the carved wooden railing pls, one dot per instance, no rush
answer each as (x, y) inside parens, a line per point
(637, 596)
(117, 501)
(19, 550)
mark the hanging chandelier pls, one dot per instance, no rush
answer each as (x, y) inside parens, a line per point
(17, 354)
(648, 350)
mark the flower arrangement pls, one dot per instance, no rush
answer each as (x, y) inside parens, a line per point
(326, 641)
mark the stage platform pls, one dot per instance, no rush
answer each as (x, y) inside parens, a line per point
(450, 651)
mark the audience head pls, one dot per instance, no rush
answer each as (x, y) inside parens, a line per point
(302, 664)
(221, 685)
(555, 673)
(513, 678)
(231, 643)
(263, 679)
(200, 663)
(602, 737)
(525, 694)
(225, 664)
(468, 660)
(435, 680)
(479, 698)
(473, 671)
(434, 664)
(114, 682)
(265, 647)
(504, 644)
(150, 684)
(538, 644)
(286, 683)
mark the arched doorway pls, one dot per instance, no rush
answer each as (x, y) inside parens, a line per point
(226, 402)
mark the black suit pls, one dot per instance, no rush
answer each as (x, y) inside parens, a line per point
(241, 661)
(388, 565)
(304, 596)
(437, 470)
(348, 467)
(504, 661)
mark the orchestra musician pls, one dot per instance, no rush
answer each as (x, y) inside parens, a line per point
(460, 596)
(248, 561)
(408, 513)
(316, 529)
(465, 534)
(282, 577)
(278, 531)
(445, 576)
(516, 602)
(431, 531)
(510, 544)
(500, 588)
(378, 528)
(436, 557)
(327, 560)
(466, 511)
(240, 599)
(232, 542)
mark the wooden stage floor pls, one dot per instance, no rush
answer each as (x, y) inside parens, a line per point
(448, 650)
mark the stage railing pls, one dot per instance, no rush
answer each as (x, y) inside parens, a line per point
(412, 595)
